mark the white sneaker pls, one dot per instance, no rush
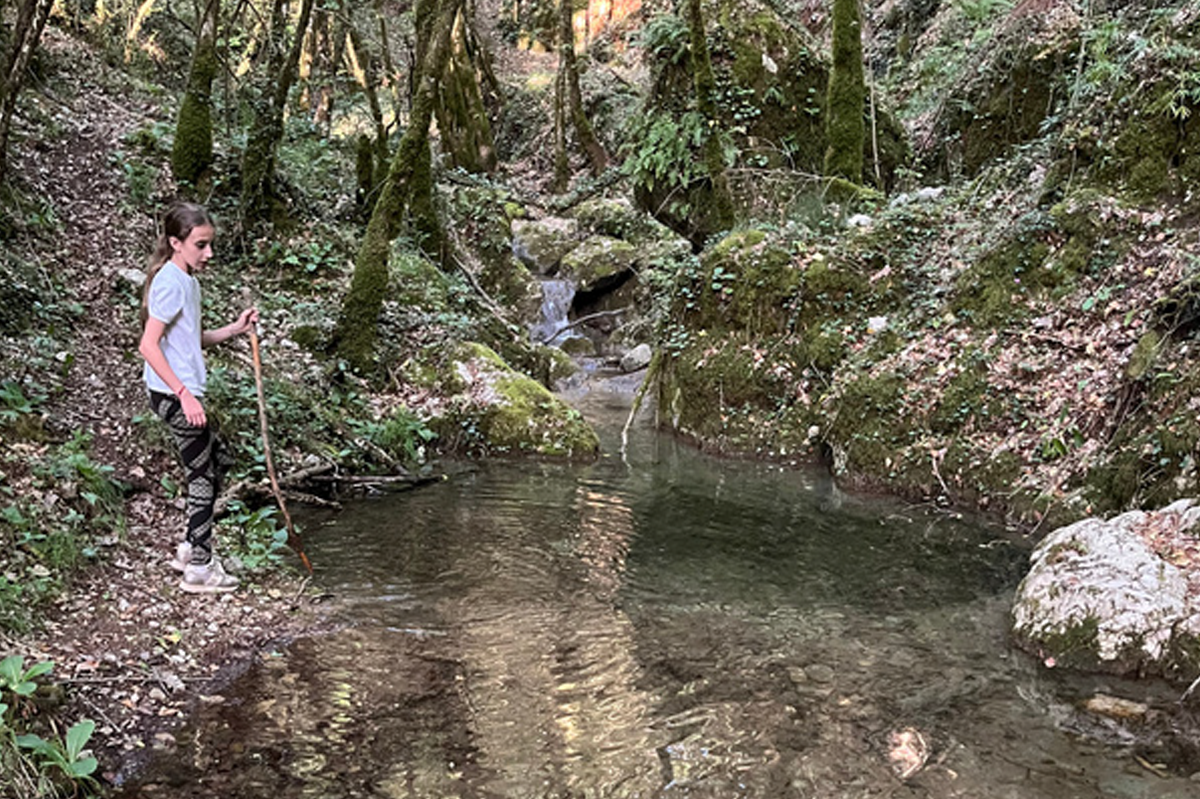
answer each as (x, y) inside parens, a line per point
(209, 578)
(183, 556)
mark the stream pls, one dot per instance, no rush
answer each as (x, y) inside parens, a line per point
(666, 624)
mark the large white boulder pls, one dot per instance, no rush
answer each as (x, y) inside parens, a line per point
(1101, 594)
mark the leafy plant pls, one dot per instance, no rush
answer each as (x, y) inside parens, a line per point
(32, 766)
(259, 541)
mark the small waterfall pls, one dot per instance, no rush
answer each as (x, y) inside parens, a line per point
(556, 304)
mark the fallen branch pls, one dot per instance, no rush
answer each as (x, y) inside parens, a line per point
(584, 320)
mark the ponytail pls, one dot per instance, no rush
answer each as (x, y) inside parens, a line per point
(177, 223)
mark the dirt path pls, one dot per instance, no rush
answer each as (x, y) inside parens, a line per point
(131, 648)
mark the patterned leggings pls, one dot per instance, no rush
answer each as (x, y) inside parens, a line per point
(205, 461)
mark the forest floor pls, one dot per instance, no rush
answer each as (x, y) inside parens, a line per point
(132, 649)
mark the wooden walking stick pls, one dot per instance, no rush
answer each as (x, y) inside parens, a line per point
(293, 540)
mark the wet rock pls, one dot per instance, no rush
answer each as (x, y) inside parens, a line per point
(637, 358)
(541, 243)
(1099, 596)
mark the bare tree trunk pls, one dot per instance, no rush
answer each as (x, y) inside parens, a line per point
(26, 33)
(408, 188)
(569, 68)
(258, 161)
(368, 79)
(331, 61)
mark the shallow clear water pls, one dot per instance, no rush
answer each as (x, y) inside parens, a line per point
(670, 625)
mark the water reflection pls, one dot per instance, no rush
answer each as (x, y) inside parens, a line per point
(667, 626)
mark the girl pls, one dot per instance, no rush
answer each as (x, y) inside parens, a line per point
(175, 376)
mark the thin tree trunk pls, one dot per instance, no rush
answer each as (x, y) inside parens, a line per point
(258, 161)
(369, 80)
(408, 188)
(463, 124)
(26, 33)
(714, 158)
(569, 67)
(562, 160)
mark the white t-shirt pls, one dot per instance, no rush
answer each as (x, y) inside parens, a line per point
(175, 301)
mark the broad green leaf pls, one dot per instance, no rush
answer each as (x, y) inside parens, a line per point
(38, 669)
(34, 742)
(82, 767)
(77, 737)
(10, 668)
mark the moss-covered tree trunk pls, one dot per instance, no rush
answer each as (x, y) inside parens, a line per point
(15, 51)
(192, 152)
(568, 68)
(562, 160)
(406, 196)
(463, 123)
(845, 130)
(706, 87)
(266, 131)
(366, 72)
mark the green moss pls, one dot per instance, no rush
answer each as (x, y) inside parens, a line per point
(192, 151)
(597, 260)
(357, 329)
(1073, 647)
(507, 412)
(844, 126)
(310, 338)
(869, 423)
(726, 394)
(745, 283)
(1143, 356)
(994, 289)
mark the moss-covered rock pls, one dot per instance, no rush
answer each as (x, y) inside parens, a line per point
(746, 282)
(721, 391)
(616, 217)
(1011, 84)
(542, 243)
(599, 263)
(1099, 597)
(997, 286)
(493, 408)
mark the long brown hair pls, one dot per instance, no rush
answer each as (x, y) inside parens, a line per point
(178, 223)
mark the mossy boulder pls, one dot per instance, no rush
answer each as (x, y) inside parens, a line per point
(618, 218)
(1099, 597)
(493, 408)
(722, 392)
(1156, 151)
(746, 282)
(542, 243)
(599, 263)
(999, 286)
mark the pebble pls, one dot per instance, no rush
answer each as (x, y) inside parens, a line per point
(819, 673)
